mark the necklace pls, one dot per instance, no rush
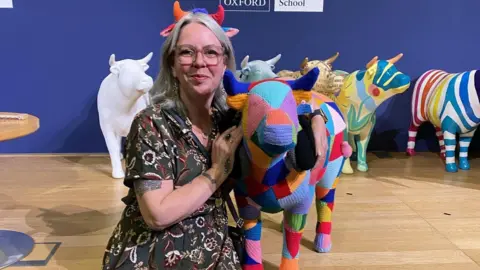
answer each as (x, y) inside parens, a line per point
(202, 134)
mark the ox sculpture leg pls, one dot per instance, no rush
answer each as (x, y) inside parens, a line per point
(250, 212)
(362, 144)
(347, 166)
(293, 225)
(294, 221)
(450, 145)
(325, 190)
(338, 149)
(412, 136)
(114, 147)
(441, 141)
(465, 139)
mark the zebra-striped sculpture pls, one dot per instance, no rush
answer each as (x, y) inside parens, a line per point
(450, 102)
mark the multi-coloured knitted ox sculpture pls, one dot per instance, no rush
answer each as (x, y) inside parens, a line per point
(276, 159)
(450, 101)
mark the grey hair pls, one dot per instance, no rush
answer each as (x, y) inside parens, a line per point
(164, 90)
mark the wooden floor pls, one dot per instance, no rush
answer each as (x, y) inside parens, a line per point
(405, 213)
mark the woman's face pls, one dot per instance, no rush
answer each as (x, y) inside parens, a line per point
(199, 60)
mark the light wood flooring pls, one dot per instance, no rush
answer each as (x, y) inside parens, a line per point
(405, 213)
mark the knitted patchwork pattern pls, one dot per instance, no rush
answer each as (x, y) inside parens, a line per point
(270, 125)
(270, 121)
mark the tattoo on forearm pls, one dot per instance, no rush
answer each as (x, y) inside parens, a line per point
(209, 177)
(227, 166)
(142, 186)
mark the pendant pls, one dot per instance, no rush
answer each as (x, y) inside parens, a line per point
(218, 202)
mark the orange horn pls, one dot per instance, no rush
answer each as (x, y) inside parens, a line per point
(178, 13)
(374, 59)
(332, 59)
(219, 15)
(395, 59)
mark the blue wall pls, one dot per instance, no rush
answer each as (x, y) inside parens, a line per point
(54, 54)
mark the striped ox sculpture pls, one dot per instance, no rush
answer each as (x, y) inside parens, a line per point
(274, 117)
(450, 101)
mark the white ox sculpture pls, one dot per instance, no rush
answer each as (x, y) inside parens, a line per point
(122, 94)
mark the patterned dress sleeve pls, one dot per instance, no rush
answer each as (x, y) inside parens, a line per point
(147, 153)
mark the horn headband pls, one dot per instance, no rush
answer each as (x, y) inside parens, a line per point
(179, 13)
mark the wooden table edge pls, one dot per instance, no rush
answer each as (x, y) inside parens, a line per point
(27, 126)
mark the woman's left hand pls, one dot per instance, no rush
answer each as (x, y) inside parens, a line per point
(321, 142)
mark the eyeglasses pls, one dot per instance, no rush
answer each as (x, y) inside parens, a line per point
(187, 54)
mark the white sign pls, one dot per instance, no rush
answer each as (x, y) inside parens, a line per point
(246, 5)
(298, 6)
(6, 4)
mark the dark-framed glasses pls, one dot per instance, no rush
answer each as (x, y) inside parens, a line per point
(187, 54)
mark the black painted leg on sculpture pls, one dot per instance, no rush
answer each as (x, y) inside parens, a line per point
(14, 246)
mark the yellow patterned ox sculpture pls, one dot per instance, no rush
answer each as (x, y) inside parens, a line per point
(361, 94)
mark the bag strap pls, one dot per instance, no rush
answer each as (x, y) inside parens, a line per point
(231, 207)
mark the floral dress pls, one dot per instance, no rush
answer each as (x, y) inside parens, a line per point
(160, 146)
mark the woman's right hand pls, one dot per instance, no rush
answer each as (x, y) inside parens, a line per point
(223, 152)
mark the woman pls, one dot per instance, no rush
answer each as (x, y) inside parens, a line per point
(177, 159)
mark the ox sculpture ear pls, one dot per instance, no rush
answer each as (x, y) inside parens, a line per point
(238, 74)
(244, 73)
(144, 61)
(166, 32)
(302, 87)
(237, 91)
(230, 31)
(114, 67)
